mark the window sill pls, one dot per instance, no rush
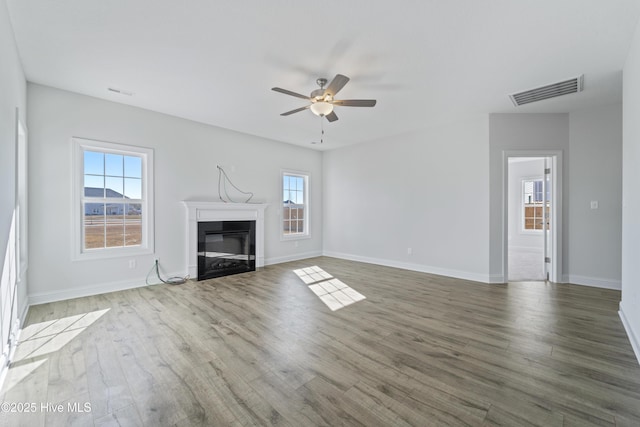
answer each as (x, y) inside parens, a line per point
(284, 238)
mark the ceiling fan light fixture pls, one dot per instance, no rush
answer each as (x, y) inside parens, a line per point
(321, 108)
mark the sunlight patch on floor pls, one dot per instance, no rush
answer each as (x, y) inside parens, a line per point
(40, 339)
(331, 291)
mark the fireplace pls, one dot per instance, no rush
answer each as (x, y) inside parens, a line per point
(207, 212)
(226, 247)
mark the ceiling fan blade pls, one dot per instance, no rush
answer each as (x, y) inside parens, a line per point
(332, 116)
(336, 84)
(355, 102)
(288, 92)
(297, 110)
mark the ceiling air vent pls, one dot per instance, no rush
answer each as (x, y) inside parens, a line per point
(566, 87)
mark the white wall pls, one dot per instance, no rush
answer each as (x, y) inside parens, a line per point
(513, 132)
(590, 141)
(629, 311)
(595, 173)
(425, 190)
(12, 95)
(518, 171)
(185, 154)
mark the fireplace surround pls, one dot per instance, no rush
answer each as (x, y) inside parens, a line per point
(203, 211)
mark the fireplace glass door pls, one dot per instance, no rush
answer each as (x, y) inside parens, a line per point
(225, 247)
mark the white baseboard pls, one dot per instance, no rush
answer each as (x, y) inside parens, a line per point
(496, 278)
(465, 275)
(103, 288)
(595, 282)
(45, 297)
(633, 337)
(23, 310)
(294, 257)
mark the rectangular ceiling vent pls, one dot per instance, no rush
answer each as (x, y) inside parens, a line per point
(566, 87)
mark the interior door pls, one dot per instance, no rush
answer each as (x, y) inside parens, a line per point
(547, 197)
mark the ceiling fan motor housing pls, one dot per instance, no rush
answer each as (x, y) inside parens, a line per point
(322, 99)
(317, 94)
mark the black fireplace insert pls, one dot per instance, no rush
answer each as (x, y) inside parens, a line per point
(226, 247)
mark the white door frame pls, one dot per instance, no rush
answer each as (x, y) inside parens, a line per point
(555, 275)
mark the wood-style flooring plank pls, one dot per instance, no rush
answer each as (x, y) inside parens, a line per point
(262, 349)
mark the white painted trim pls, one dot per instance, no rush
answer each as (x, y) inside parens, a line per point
(556, 207)
(496, 279)
(465, 275)
(22, 211)
(307, 210)
(4, 368)
(294, 257)
(23, 310)
(527, 249)
(596, 282)
(634, 338)
(103, 288)
(204, 210)
(78, 253)
(6, 363)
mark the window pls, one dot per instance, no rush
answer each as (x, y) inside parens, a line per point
(533, 204)
(113, 199)
(295, 208)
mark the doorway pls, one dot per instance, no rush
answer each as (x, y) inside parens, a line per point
(532, 217)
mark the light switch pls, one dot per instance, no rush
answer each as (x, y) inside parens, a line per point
(594, 204)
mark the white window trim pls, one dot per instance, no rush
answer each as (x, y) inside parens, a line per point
(147, 247)
(521, 205)
(307, 228)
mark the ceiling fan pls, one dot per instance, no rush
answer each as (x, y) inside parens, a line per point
(322, 100)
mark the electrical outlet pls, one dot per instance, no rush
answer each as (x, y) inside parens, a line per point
(594, 204)
(132, 263)
(409, 251)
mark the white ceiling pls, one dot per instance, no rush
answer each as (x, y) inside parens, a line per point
(427, 61)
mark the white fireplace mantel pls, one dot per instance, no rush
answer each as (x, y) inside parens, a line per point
(202, 211)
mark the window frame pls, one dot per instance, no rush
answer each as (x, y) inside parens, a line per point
(147, 246)
(306, 234)
(523, 229)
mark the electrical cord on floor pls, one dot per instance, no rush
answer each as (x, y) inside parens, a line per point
(176, 280)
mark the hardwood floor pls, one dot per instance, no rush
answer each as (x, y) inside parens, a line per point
(263, 349)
